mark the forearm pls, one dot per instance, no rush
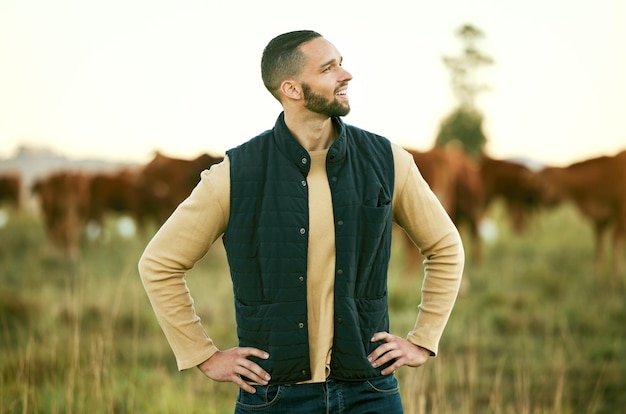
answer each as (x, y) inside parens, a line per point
(442, 278)
(173, 307)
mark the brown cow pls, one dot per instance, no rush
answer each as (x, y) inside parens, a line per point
(11, 189)
(597, 187)
(455, 179)
(434, 167)
(515, 184)
(468, 207)
(165, 182)
(113, 192)
(64, 203)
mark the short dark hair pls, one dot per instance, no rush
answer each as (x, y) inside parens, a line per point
(282, 58)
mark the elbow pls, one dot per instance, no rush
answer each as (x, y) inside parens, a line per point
(142, 267)
(449, 253)
(146, 268)
(458, 254)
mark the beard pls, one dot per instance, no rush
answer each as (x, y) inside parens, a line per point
(320, 104)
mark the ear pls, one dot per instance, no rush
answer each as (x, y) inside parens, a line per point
(291, 89)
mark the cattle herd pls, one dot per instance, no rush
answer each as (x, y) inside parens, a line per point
(69, 200)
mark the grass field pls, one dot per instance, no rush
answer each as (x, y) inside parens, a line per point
(533, 332)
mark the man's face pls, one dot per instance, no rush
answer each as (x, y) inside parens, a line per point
(324, 81)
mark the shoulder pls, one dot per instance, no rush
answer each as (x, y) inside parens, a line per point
(215, 182)
(256, 142)
(217, 172)
(401, 157)
(362, 136)
(405, 167)
(372, 146)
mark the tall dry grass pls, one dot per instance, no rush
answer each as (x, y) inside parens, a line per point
(534, 331)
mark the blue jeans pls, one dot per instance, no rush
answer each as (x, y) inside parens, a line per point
(380, 395)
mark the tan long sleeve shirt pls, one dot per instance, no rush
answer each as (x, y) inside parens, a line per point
(202, 218)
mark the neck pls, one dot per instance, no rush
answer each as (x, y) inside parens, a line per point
(313, 131)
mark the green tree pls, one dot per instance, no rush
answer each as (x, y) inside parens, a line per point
(463, 126)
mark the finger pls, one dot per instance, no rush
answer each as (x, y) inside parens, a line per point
(378, 336)
(391, 368)
(383, 348)
(250, 369)
(381, 336)
(249, 351)
(244, 385)
(379, 352)
(390, 355)
(396, 357)
(253, 372)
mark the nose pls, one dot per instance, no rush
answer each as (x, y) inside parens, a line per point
(347, 76)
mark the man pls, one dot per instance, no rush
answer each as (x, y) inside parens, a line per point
(305, 210)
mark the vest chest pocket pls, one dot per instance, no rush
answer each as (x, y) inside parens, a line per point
(376, 197)
(375, 223)
(375, 211)
(373, 249)
(375, 219)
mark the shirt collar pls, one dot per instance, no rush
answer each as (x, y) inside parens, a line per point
(292, 149)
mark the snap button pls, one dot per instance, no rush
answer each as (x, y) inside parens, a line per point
(303, 183)
(340, 272)
(302, 230)
(300, 325)
(340, 223)
(304, 161)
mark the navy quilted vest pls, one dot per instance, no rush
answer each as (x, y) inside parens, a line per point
(267, 239)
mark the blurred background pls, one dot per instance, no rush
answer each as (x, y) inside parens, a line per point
(119, 79)
(513, 112)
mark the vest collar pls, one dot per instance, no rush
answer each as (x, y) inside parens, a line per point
(295, 152)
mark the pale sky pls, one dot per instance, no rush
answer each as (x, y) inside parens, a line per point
(120, 79)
